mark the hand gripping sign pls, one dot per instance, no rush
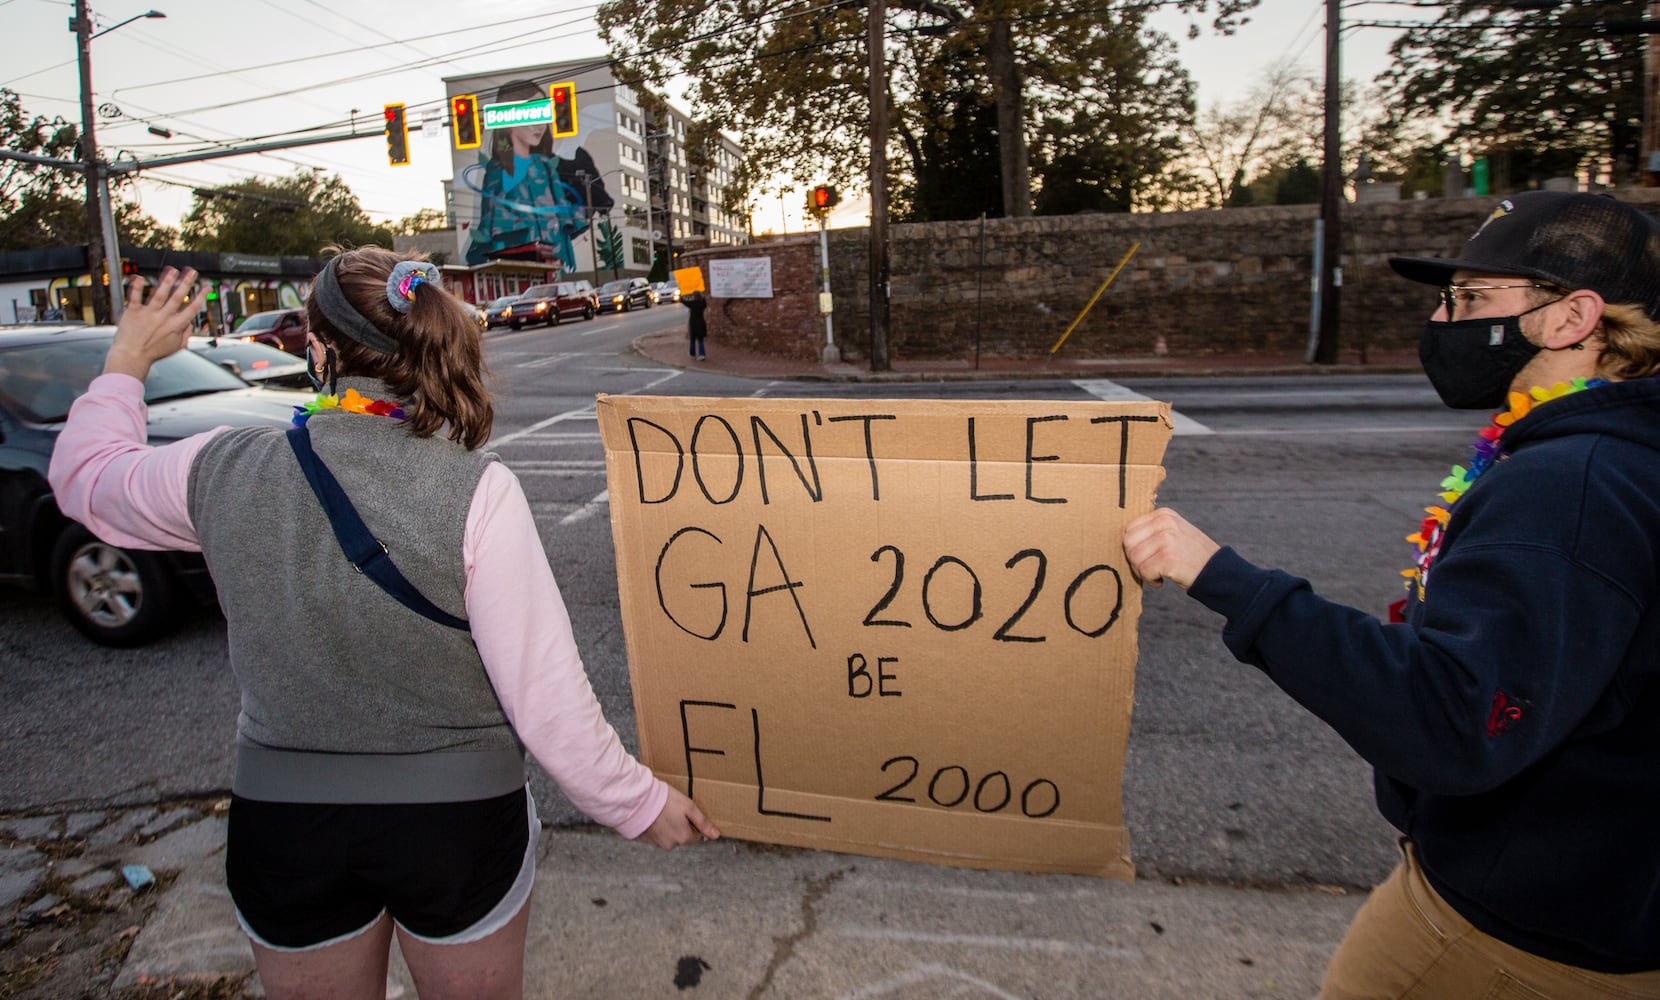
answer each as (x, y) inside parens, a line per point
(902, 628)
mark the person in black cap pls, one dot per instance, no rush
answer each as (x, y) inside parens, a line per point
(1511, 704)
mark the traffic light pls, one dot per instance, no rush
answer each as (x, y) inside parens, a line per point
(397, 136)
(464, 119)
(563, 96)
(822, 199)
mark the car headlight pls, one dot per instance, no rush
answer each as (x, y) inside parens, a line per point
(541, 307)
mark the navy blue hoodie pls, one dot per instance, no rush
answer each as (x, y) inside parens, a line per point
(1514, 719)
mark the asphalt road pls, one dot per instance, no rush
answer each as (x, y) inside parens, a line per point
(1227, 780)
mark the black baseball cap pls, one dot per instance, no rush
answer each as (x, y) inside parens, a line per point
(1561, 238)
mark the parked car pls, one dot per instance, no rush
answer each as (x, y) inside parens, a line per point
(551, 303)
(499, 312)
(259, 364)
(582, 287)
(667, 291)
(114, 596)
(283, 329)
(625, 294)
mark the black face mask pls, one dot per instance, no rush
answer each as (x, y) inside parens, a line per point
(1471, 362)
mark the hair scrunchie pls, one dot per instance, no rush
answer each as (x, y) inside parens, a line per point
(405, 276)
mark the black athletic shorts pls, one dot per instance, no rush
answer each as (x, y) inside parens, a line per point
(303, 875)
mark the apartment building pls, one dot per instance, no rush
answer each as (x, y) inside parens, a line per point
(585, 177)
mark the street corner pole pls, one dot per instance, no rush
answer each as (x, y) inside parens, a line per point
(1330, 274)
(831, 354)
(878, 187)
(96, 252)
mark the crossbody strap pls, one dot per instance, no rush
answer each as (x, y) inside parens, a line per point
(366, 553)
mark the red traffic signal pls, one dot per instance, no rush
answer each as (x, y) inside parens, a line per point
(397, 136)
(563, 96)
(822, 199)
(464, 121)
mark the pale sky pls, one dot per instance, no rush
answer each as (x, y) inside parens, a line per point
(213, 71)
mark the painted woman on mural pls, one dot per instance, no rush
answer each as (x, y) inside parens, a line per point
(527, 194)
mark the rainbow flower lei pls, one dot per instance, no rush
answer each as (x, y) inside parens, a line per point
(352, 402)
(1486, 452)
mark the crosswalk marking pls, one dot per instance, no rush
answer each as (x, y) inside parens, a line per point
(1112, 392)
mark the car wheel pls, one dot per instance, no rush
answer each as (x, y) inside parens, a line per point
(553, 316)
(514, 324)
(588, 312)
(110, 595)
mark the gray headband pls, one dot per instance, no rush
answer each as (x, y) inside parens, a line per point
(343, 316)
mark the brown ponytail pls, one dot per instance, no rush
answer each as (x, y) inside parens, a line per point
(438, 371)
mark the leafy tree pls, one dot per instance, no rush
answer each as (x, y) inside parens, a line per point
(1554, 88)
(951, 146)
(40, 136)
(1277, 122)
(45, 206)
(1299, 185)
(1110, 106)
(792, 78)
(424, 220)
(298, 215)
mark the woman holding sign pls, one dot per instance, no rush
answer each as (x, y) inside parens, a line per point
(388, 694)
(696, 329)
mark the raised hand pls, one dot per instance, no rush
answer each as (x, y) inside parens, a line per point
(150, 331)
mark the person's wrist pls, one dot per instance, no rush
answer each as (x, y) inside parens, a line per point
(121, 362)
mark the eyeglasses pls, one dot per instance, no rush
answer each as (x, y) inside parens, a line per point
(1450, 293)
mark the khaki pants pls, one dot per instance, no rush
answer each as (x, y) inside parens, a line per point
(1406, 943)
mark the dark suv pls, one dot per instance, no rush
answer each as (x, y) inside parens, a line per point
(551, 303)
(283, 329)
(625, 294)
(115, 596)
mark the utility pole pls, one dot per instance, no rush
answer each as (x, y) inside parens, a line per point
(878, 186)
(1649, 168)
(593, 238)
(1329, 280)
(96, 252)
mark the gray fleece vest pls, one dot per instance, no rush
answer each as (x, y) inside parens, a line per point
(348, 696)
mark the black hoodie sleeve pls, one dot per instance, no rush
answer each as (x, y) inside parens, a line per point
(1516, 641)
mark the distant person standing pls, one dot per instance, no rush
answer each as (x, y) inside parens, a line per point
(696, 329)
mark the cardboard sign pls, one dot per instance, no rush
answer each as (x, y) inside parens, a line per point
(902, 628)
(690, 279)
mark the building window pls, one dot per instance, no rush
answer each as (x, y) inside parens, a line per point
(642, 252)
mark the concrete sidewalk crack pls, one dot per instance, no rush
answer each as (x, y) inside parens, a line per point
(783, 948)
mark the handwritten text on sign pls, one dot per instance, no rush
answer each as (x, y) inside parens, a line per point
(893, 627)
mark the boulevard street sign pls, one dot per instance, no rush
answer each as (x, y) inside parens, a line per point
(537, 112)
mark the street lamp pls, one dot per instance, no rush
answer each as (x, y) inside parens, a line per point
(588, 200)
(102, 240)
(651, 236)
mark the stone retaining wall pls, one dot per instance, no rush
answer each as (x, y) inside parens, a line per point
(1206, 282)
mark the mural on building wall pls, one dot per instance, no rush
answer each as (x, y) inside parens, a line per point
(530, 199)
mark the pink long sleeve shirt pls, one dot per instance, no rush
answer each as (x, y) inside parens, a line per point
(131, 494)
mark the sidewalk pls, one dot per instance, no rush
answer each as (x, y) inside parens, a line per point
(614, 919)
(669, 348)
